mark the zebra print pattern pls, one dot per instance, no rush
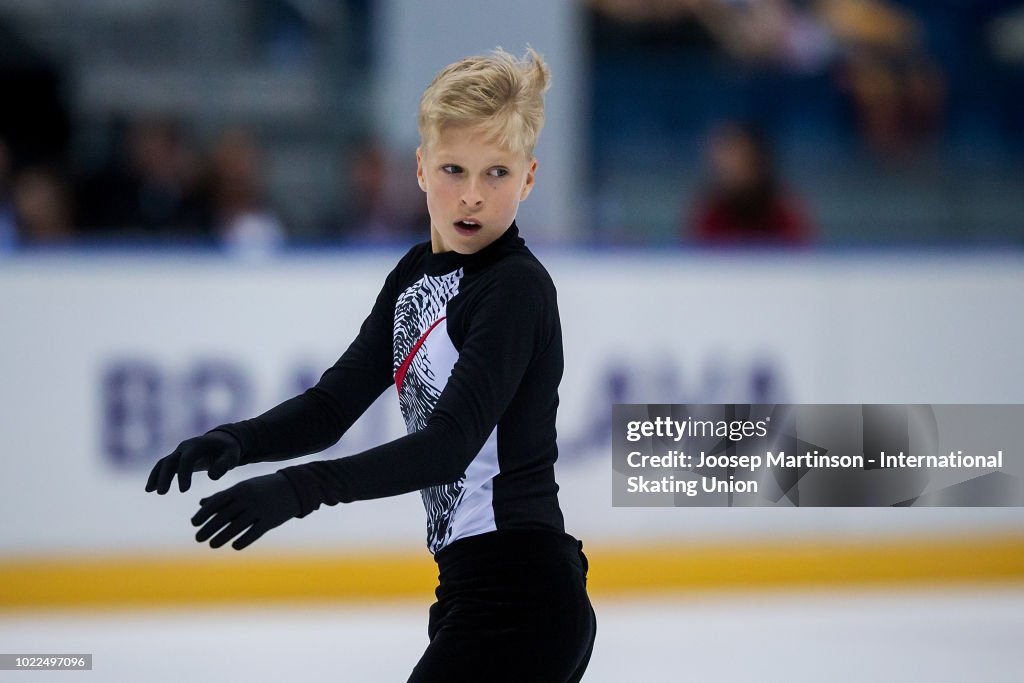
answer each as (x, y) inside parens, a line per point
(418, 307)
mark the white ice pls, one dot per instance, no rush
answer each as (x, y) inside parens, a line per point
(938, 634)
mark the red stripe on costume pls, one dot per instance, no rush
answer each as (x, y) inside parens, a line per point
(404, 367)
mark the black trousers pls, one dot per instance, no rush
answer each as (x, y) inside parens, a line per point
(511, 606)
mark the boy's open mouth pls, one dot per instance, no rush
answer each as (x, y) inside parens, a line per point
(467, 226)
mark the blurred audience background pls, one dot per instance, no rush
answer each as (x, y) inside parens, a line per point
(897, 122)
(709, 121)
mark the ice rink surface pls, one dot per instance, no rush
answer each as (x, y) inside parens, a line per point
(938, 634)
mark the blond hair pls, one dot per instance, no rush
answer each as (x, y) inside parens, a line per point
(499, 94)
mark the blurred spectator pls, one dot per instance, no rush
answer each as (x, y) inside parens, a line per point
(781, 33)
(744, 201)
(896, 90)
(42, 206)
(380, 202)
(150, 186)
(241, 215)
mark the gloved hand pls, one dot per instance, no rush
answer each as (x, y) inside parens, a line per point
(254, 506)
(216, 452)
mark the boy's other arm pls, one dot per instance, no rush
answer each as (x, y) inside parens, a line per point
(510, 323)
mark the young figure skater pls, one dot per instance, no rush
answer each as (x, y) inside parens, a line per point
(467, 329)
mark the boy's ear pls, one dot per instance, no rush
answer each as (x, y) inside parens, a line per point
(531, 172)
(419, 169)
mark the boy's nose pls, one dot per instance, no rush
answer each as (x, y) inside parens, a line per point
(472, 196)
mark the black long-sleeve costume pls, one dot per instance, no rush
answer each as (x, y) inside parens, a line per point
(473, 344)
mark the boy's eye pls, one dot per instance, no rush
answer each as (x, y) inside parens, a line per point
(451, 169)
(498, 172)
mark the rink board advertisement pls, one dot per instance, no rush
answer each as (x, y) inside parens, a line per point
(817, 455)
(109, 361)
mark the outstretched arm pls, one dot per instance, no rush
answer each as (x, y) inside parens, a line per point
(317, 418)
(307, 423)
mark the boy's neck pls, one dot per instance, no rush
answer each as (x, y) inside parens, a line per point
(436, 245)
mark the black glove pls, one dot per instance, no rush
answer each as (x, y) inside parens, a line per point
(258, 504)
(214, 451)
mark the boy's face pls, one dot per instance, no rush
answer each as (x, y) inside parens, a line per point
(473, 188)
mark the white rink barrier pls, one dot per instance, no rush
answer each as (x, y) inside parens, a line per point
(109, 360)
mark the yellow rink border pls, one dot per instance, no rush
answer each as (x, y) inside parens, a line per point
(230, 577)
